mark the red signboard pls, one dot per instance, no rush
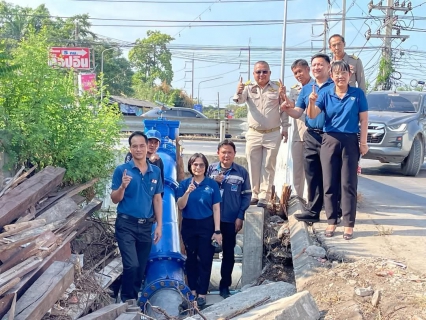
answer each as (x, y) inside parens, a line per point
(76, 58)
(86, 81)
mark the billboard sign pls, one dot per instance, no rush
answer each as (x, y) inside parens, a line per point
(86, 81)
(64, 57)
(198, 107)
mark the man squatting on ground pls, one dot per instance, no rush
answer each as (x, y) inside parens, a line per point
(136, 187)
(235, 190)
(263, 139)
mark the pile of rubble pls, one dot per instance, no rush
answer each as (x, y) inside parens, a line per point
(38, 221)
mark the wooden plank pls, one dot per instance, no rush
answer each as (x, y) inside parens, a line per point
(29, 215)
(14, 204)
(45, 291)
(129, 316)
(22, 177)
(44, 239)
(107, 313)
(61, 253)
(78, 199)
(12, 308)
(9, 184)
(37, 231)
(5, 304)
(19, 270)
(18, 257)
(59, 211)
(82, 187)
(18, 227)
(9, 285)
(73, 223)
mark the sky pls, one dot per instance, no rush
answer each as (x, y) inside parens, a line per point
(217, 71)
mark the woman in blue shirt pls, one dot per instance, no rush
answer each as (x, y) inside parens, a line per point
(199, 199)
(346, 111)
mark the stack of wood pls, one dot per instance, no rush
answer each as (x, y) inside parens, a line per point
(37, 223)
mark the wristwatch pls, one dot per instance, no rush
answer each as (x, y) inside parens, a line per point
(218, 232)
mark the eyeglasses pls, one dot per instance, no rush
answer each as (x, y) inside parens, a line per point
(341, 74)
(262, 72)
(200, 165)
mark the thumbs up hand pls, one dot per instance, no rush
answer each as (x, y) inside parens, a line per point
(125, 180)
(240, 86)
(313, 96)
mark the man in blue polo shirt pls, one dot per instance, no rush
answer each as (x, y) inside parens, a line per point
(234, 184)
(320, 67)
(136, 187)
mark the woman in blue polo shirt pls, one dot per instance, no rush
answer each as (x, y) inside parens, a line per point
(346, 115)
(199, 199)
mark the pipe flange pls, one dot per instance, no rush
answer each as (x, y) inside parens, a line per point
(153, 287)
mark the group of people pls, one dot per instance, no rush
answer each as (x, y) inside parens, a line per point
(330, 134)
(213, 202)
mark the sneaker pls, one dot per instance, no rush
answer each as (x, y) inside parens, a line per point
(201, 301)
(262, 203)
(306, 217)
(254, 201)
(224, 293)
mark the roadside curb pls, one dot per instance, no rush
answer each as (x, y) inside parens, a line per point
(304, 266)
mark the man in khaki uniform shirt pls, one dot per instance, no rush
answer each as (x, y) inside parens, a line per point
(300, 69)
(264, 118)
(337, 45)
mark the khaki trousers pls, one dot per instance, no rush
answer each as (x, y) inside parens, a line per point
(298, 167)
(261, 151)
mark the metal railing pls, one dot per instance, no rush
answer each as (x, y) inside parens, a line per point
(192, 126)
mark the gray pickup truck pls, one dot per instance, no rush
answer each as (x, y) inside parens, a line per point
(397, 129)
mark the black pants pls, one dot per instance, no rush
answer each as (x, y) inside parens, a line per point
(228, 258)
(313, 170)
(197, 237)
(339, 158)
(134, 241)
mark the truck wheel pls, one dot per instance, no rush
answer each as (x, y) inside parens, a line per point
(413, 162)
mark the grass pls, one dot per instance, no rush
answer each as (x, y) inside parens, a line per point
(382, 231)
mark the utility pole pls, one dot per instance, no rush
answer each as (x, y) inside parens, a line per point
(218, 110)
(249, 62)
(284, 41)
(192, 80)
(343, 18)
(388, 37)
(76, 44)
(324, 46)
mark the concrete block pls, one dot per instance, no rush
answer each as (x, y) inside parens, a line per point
(300, 239)
(225, 308)
(253, 245)
(215, 276)
(300, 306)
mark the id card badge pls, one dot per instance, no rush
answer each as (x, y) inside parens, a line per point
(221, 194)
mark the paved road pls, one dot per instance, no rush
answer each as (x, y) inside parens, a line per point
(391, 217)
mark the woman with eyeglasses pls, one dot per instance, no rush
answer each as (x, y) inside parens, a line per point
(199, 199)
(346, 115)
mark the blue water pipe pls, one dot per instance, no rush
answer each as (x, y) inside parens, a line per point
(164, 284)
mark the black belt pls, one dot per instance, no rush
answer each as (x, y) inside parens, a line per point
(140, 221)
(316, 130)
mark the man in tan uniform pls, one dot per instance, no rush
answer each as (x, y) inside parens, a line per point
(264, 118)
(300, 69)
(337, 45)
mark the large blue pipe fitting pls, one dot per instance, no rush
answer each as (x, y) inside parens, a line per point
(165, 267)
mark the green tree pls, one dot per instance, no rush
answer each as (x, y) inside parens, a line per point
(240, 112)
(117, 70)
(152, 59)
(44, 122)
(386, 69)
